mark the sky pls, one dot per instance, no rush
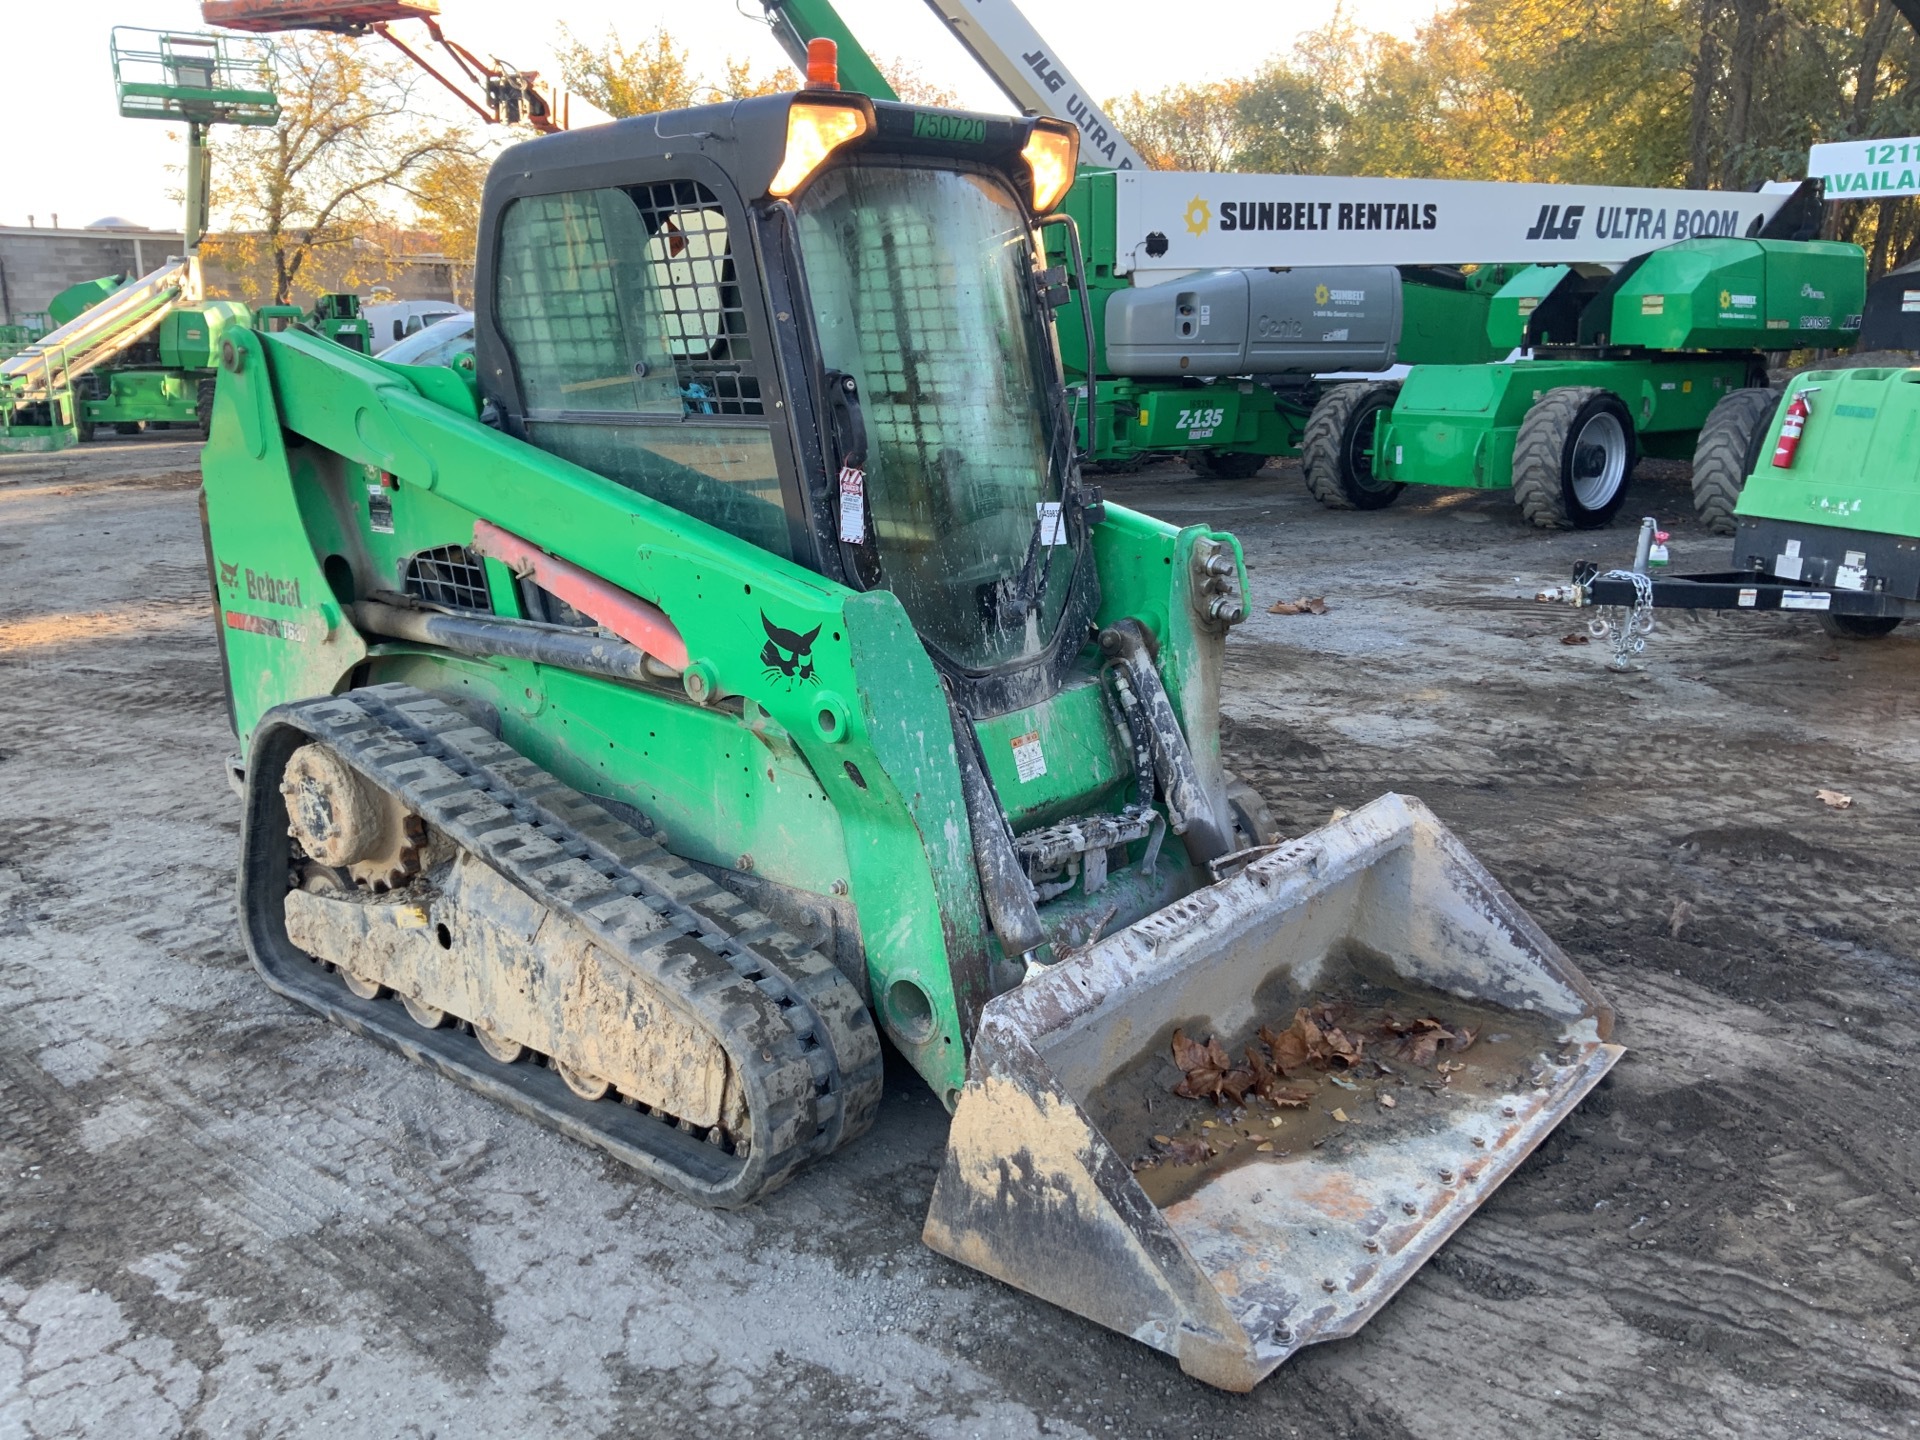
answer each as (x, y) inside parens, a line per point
(91, 163)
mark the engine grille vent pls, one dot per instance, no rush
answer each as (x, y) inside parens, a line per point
(449, 575)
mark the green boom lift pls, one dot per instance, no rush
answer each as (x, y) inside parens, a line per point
(733, 669)
(334, 317)
(142, 352)
(1623, 363)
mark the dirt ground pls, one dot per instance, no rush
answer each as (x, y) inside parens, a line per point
(219, 1216)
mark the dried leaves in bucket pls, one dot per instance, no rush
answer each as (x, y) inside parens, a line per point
(1315, 1041)
(1312, 1040)
(1419, 1042)
(1208, 1072)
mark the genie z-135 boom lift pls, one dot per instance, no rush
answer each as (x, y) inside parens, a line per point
(141, 350)
(734, 669)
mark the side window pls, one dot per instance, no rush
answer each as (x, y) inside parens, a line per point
(625, 317)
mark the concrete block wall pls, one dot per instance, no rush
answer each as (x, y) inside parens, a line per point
(36, 265)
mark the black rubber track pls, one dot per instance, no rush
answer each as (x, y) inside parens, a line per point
(796, 1031)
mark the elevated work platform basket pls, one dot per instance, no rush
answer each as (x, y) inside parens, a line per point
(201, 79)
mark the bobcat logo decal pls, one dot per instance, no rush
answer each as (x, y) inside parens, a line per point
(229, 575)
(788, 653)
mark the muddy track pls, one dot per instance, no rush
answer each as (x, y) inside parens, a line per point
(222, 1216)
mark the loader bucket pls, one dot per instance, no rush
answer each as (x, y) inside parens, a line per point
(1229, 1234)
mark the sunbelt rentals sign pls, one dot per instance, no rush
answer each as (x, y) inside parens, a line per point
(1172, 220)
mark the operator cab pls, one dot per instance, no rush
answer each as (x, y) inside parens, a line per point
(824, 325)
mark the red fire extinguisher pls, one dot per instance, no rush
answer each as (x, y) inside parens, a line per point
(1791, 427)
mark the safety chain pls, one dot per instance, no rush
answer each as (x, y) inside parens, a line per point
(1626, 630)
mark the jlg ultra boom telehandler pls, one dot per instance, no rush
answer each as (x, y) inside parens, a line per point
(733, 669)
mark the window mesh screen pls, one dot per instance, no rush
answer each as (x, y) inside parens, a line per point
(697, 294)
(451, 575)
(626, 301)
(626, 320)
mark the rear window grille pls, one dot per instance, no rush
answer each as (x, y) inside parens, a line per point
(450, 575)
(627, 302)
(696, 291)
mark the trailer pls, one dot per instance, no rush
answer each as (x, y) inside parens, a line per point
(1827, 523)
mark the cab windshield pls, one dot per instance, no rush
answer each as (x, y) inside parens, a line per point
(922, 291)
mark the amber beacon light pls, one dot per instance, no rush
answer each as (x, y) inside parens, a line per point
(1052, 151)
(823, 64)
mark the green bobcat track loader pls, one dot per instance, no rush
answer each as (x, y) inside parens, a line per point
(734, 670)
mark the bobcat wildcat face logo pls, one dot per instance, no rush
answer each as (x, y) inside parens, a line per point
(229, 575)
(788, 653)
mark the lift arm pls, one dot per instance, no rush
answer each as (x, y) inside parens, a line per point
(1032, 75)
(493, 90)
(1000, 40)
(795, 22)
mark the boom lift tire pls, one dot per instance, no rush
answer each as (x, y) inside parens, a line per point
(203, 406)
(1337, 456)
(1728, 449)
(1226, 464)
(1573, 458)
(1858, 627)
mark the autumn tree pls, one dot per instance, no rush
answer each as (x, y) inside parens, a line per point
(1184, 127)
(350, 143)
(447, 194)
(657, 73)
(910, 83)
